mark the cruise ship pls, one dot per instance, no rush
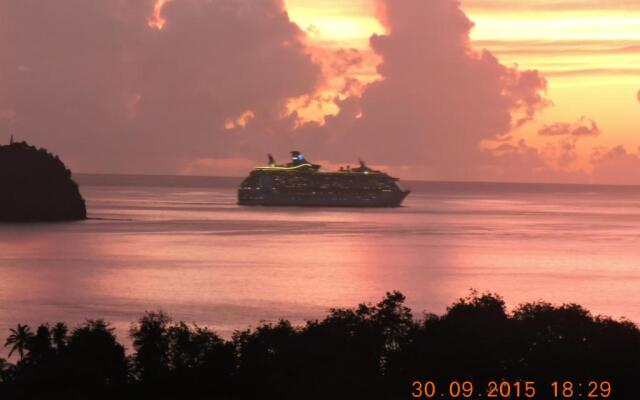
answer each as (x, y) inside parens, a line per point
(302, 183)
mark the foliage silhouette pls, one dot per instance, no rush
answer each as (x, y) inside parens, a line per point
(368, 352)
(5, 370)
(172, 356)
(151, 342)
(19, 339)
(59, 336)
(36, 186)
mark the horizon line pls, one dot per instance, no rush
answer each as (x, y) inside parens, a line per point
(143, 175)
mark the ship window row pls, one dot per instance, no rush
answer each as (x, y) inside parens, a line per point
(302, 184)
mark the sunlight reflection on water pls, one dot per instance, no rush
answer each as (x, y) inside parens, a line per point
(195, 254)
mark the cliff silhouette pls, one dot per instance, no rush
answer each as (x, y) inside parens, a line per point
(36, 186)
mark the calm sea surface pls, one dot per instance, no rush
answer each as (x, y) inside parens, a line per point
(182, 245)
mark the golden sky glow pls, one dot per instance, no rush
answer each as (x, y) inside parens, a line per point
(336, 23)
(156, 20)
(589, 51)
(590, 58)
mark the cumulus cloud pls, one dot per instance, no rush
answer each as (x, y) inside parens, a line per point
(564, 152)
(438, 97)
(146, 86)
(521, 162)
(509, 161)
(583, 127)
(197, 86)
(616, 165)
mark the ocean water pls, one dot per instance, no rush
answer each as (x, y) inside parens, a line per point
(182, 245)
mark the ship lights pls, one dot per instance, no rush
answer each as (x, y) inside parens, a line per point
(297, 157)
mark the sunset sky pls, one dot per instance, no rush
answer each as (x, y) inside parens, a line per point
(533, 90)
(588, 50)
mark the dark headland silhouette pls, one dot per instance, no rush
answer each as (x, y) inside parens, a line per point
(373, 351)
(36, 186)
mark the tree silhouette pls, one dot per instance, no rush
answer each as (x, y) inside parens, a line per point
(59, 335)
(176, 359)
(4, 366)
(19, 340)
(96, 361)
(39, 345)
(151, 342)
(372, 351)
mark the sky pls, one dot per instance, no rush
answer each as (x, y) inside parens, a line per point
(495, 90)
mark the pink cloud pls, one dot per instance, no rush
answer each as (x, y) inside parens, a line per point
(583, 127)
(521, 162)
(207, 91)
(92, 81)
(616, 166)
(438, 97)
